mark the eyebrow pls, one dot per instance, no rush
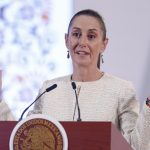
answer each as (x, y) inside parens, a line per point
(76, 28)
(91, 30)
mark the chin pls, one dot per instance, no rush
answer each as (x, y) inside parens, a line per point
(83, 64)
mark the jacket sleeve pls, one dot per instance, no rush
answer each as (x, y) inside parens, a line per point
(134, 124)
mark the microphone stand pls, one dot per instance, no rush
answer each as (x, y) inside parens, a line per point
(77, 103)
(47, 90)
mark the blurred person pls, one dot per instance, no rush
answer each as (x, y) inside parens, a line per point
(5, 112)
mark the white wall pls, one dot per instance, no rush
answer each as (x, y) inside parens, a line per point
(128, 26)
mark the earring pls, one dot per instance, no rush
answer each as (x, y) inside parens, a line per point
(102, 59)
(68, 56)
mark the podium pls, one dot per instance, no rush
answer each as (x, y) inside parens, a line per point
(81, 136)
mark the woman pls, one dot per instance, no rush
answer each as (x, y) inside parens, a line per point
(101, 97)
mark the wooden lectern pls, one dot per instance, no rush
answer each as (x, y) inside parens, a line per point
(81, 136)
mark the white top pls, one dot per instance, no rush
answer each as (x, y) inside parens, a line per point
(107, 99)
(5, 112)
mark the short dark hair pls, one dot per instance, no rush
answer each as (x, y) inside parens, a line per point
(92, 13)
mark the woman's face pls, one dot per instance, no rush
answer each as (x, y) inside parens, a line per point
(85, 41)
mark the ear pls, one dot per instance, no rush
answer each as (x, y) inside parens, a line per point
(105, 42)
(66, 40)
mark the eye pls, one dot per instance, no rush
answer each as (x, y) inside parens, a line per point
(91, 36)
(76, 34)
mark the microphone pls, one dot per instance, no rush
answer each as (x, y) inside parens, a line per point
(47, 90)
(77, 103)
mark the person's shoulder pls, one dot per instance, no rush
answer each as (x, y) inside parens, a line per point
(2, 104)
(56, 80)
(117, 81)
(62, 78)
(59, 79)
(5, 112)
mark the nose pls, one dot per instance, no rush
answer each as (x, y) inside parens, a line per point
(83, 41)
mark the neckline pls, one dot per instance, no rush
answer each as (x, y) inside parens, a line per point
(103, 75)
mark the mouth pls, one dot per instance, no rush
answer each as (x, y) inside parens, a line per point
(82, 53)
